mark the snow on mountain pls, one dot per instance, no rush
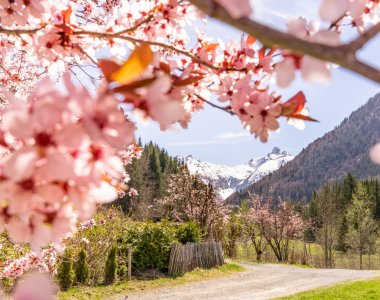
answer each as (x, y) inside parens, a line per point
(227, 179)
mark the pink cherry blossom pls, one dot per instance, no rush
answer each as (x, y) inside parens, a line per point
(237, 8)
(36, 286)
(132, 192)
(312, 69)
(375, 153)
(264, 115)
(332, 10)
(65, 161)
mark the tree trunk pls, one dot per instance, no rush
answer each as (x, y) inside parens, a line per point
(258, 255)
(361, 260)
(369, 260)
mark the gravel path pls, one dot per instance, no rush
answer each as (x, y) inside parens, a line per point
(260, 281)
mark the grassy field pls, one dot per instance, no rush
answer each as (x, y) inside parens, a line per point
(360, 290)
(134, 286)
(315, 256)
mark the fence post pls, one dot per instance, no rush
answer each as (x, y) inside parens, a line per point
(129, 262)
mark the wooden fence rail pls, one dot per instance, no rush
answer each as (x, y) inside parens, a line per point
(185, 258)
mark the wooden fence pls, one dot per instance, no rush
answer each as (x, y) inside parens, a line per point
(185, 258)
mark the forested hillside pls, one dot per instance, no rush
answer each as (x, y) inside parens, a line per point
(149, 176)
(340, 151)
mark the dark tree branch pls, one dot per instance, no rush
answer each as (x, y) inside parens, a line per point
(343, 55)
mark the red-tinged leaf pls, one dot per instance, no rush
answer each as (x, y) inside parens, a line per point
(135, 66)
(302, 117)
(210, 47)
(130, 87)
(261, 53)
(67, 15)
(294, 105)
(66, 29)
(250, 40)
(187, 81)
(164, 67)
(108, 68)
(271, 51)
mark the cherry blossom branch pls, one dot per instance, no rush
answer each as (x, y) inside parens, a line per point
(215, 106)
(365, 37)
(19, 31)
(133, 28)
(104, 35)
(343, 55)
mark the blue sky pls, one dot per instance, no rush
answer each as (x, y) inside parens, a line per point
(217, 137)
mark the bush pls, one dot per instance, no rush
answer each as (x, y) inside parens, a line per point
(122, 271)
(65, 272)
(151, 244)
(81, 268)
(97, 239)
(189, 232)
(110, 269)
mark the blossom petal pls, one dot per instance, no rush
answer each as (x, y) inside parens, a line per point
(105, 193)
(285, 72)
(332, 10)
(314, 70)
(237, 8)
(375, 154)
(20, 165)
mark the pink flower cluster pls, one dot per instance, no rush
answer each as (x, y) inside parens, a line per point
(60, 155)
(361, 12)
(45, 262)
(21, 12)
(312, 69)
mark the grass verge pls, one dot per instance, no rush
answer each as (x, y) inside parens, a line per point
(134, 286)
(363, 290)
(272, 263)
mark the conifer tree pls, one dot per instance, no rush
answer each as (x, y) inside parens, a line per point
(111, 267)
(65, 272)
(81, 268)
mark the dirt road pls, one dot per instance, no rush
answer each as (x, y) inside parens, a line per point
(260, 281)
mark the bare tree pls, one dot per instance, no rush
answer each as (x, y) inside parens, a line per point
(328, 221)
(362, 228)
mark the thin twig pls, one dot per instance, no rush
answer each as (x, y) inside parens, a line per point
(230, 112)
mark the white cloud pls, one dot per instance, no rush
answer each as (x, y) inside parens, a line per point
(198, 143)
(232, 135)
(276, 13)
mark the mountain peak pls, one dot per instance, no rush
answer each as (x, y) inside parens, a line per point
(226, 180)
(275, 150)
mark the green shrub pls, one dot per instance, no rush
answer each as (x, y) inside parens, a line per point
(189, 232)
(81, 268)
(151, 244)
(111, 266)
(97, 240)
(122, 271)
(65, 272)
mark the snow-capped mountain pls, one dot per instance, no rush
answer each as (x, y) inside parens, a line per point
(227, 179)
